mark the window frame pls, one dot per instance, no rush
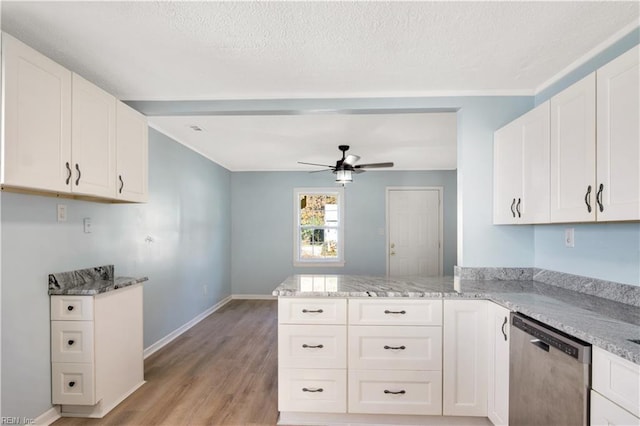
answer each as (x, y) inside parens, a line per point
(338, 192)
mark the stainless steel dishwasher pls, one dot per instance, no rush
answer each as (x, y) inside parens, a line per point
(549, 376)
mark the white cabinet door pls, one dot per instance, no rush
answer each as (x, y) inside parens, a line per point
(521, 169)
(37, 119)
(573, 153)
(536, 136)
(618, 152)
(498, 374)
(606, 413)
(507, 173)
(465, 358)
(132, 142)
(93, 138)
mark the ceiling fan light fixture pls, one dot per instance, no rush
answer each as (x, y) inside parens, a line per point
(343, 176)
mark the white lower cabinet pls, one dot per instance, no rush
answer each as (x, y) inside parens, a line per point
(498, 366)
(395, 392)
(312, 355)
(606, 413)
(395, 356)
(615, 395)
(96, 350)
(312, 390)
(465, 358)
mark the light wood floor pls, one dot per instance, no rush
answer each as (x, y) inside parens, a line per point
(223, 371)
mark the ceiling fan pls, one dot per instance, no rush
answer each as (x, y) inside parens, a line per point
(346, 166)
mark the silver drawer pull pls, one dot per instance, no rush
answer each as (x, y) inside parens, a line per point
(312, 390)
(312, 346)
(395, 312)
(317, 311)
(402, 348)
(400, 392)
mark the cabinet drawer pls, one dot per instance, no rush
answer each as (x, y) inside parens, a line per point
(72, 341)
(312, 311)
(606, 413)
(72, 384)
(617, 379)
(72, 308)
(395, 392)
(320, 391)
(317, 346)
(395, 348)
(400, 311)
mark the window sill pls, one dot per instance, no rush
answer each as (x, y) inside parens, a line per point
(320, 264)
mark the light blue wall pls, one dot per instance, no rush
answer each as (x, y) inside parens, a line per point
(262, 224)
(188, 218)
(605, 251)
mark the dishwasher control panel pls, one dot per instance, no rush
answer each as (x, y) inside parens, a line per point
(548, 337)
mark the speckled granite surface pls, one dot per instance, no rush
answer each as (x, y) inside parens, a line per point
(88, 282)
(467, 273)
(604, 323)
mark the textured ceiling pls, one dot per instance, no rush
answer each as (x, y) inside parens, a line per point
(152, 50)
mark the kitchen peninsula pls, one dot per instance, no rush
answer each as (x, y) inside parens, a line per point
(343, 350)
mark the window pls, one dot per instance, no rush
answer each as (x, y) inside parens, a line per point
(319, 221)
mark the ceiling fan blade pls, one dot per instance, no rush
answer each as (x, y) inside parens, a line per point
(358, 171)
(314, 164)
(350, 159)
(373, 166)
(321, 170)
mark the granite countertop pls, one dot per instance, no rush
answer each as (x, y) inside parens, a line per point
(89, 282)
(603, 323)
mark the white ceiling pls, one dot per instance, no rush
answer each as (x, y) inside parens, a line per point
(284, 50)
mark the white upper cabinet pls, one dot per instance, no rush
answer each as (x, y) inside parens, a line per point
(573, 152)
(595, 145)
(93, 149)
(64, 135)
(618, 146)
(37, 119)
(521, 169)
(132, 155)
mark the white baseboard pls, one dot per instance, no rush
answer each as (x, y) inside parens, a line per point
(48, 417)
(327, 419)
(178, 331)
(253, 297)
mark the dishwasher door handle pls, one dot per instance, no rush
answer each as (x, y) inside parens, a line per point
(539, 343)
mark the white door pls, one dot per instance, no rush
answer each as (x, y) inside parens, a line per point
(573, 153)
(464, 360)
(415, 230)
(619, 138)
(507, 173)
(132, 141)
(498, 373)
(37, 114)
(93, 139)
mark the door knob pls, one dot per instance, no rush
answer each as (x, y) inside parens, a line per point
(393, 245)
(392, 253)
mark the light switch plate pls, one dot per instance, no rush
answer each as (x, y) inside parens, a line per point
(569, 240)
(62, 213)
(87, 225)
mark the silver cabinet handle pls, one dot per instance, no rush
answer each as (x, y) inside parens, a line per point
(513, 203)
(599, 198)
(395, 312)
(316, 311)
(400, 392)
(312, 390)
(312, 346)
